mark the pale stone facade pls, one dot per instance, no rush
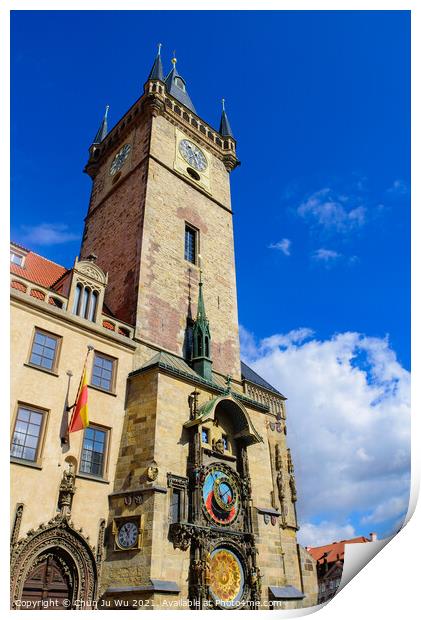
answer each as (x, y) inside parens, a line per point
(194, 502)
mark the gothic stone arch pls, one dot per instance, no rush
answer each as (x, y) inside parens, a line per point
(69, 548)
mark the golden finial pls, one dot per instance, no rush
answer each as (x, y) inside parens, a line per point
(173, 59)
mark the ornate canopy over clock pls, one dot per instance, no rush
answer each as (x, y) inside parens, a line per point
(193, 155)
(120, 158)
(220, 495)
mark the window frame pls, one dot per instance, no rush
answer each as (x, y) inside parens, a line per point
(41, 437)
(196, 233)
(57, 338)
(206, 430)
(107, 443)
(114, 361)
(19, 255)
(178, 486)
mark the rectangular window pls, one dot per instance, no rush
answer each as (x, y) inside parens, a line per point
(93, 451)
(103, 372)
(205, 435)
(190, 244)
(27, 434)
(44, 350)
(175, 508)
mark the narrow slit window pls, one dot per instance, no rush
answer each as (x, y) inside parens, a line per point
(190, 244)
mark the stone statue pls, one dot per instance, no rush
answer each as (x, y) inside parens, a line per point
(66, 490)
(280, 484)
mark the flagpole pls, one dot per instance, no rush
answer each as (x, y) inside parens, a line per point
(64, 428)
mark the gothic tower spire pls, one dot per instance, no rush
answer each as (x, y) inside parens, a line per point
(157, 72)
(176, 86)
(224, 126)
(201, 359)
(103, 128)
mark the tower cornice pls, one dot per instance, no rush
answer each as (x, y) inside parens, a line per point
(157, 101)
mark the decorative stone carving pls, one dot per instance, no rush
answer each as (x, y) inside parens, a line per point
(60, 538)
(293, 488)
(152, 472)
(281, 486)
(16, 524)
(67, 490)
(88, 268)
(218, 446)
(181, 535)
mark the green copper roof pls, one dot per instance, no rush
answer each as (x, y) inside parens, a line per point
(178, 367)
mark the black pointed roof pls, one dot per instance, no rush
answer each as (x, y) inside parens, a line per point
(103, 128)
(176, 86)
(157, 72)
(248, 374)
(224, 126)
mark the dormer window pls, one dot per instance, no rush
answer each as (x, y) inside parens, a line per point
(16, 259)
(178, 81)
(87, 290)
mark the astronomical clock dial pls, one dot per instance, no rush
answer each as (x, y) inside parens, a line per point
(226, 578)
(220, 495)
(192, 155)
(127, 535)
(120, 158)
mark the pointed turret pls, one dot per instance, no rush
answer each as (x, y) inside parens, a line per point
(176, 86)
(103, 128)
(157, 72)
(224, 126)
(201, 358)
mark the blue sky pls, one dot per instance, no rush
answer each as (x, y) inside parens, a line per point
(320, 105)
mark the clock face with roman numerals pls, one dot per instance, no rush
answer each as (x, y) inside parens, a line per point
(193, 155)
(220, 495)
(120, 158)
(127, 536)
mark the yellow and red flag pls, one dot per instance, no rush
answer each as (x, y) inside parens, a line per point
(80, 418)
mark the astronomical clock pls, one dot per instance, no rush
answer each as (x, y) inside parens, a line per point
(223, 567)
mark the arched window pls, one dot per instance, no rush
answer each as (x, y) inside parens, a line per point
(92, 306)
(76, 302)
(85, 305)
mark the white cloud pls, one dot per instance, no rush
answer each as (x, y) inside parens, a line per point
(333, 212)
(48, 234)
(325, 532)
(391, 508)
(398, 187)
(325, 256)
(284, 246)
(348, 424)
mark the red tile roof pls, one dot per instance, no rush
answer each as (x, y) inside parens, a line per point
(334, 549)
(38, 269)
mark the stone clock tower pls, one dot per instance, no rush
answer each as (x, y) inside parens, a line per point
(202, 505)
